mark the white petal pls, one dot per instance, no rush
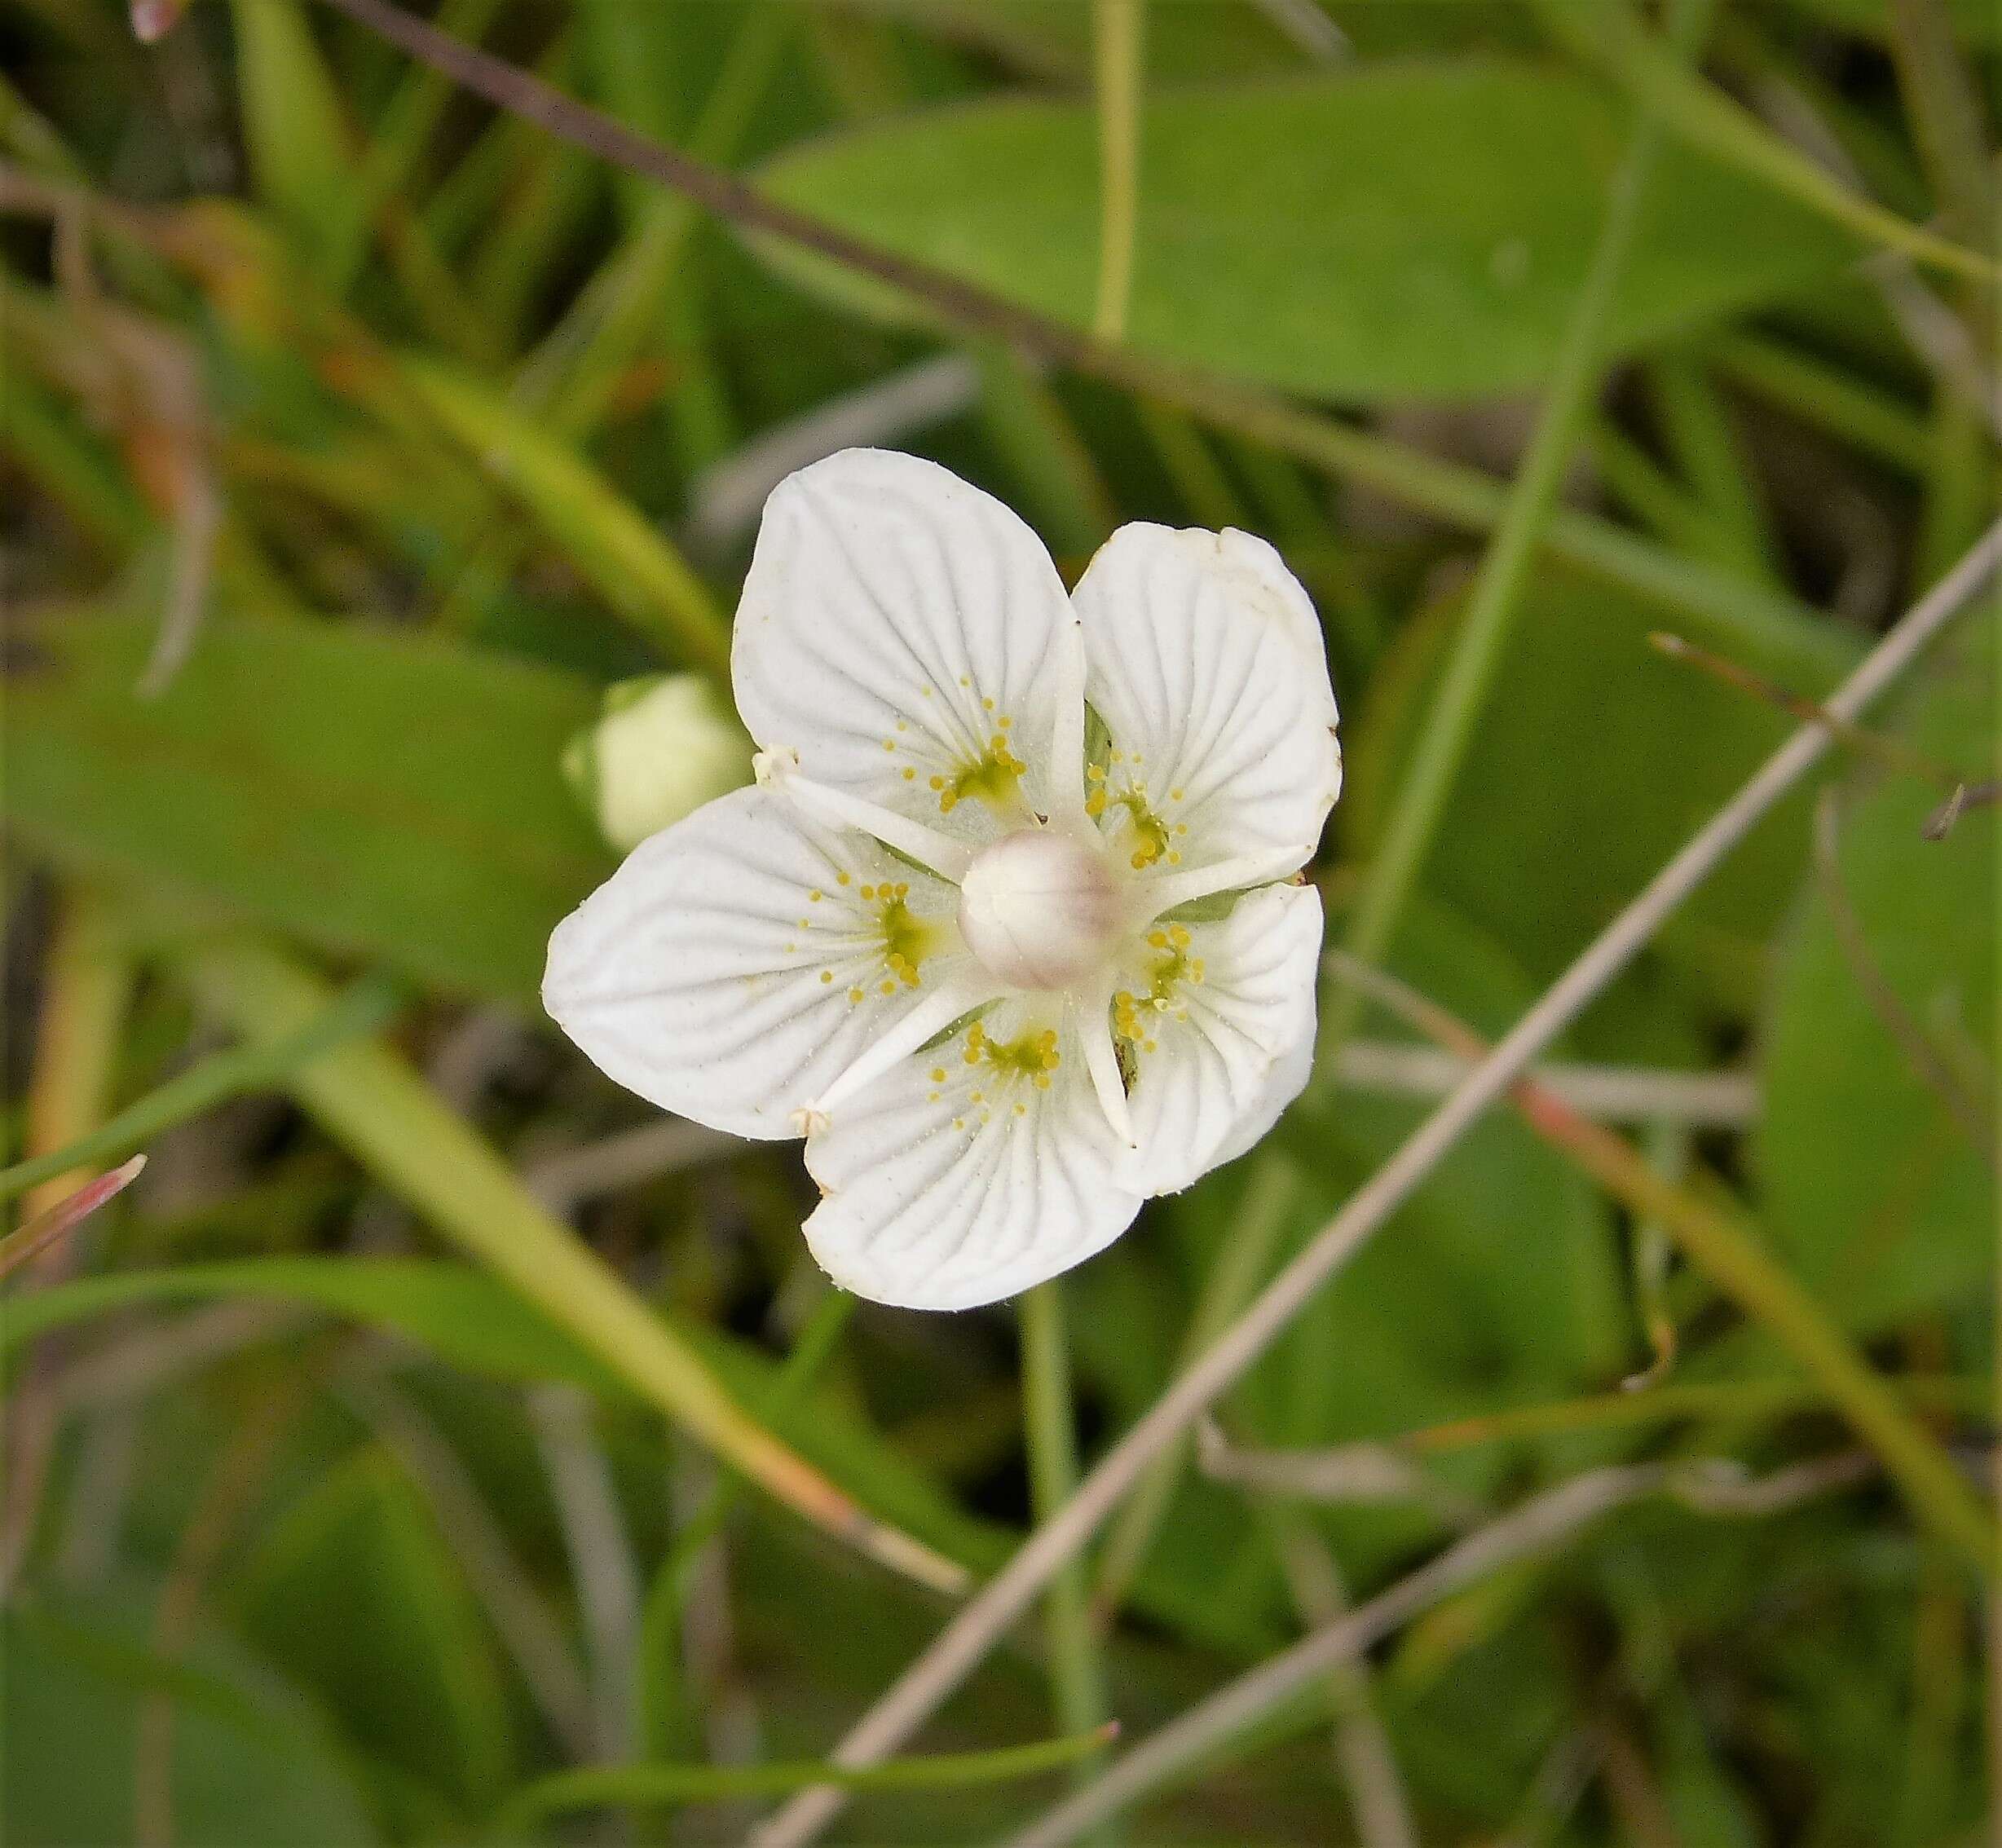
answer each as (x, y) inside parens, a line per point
(953, 1181)
(908, 638)
(1205, 662)
(733, 968)
(1219, 1032)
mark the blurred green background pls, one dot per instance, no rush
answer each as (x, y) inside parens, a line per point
(356, 436)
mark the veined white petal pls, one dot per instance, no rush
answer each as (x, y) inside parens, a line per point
(908, 635)
(972, 1172)
(1064, 791)
(740, 961)
(1218, 1021)
(944, 856)
(1205, 662)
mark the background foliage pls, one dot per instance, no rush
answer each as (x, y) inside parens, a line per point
(354, 435)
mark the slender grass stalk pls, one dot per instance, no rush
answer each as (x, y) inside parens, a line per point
(1944, 107)
(371, 1099)
(1745, 1401)
(1483, 632)
(1606, 35)
(1232, 1280)
(809, 1354)
(1118, 30)
(90, 976)
(369, 1004)
(601, 1785)
(1077, 1674)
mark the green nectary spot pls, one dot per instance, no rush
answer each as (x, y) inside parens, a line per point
(992, 779)
(908, 939)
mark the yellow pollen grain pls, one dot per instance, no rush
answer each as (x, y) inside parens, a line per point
(1157, 938)
(889, 744)
(854, 997)
(1178, 935)
(1043, 1081)
(840, 878)
(868, 891)
(910, 774)
(986, 705)
(812, 897)
(974, 1097)
(1095, 773)
(1094, 803)
(1004, 721)
(1021, 1110)
(1175, 795)
(827, 975)
(889, 988)
(1175, 859)
(939, 1074)
(901, 726)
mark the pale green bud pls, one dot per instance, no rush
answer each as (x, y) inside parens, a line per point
(663, 745)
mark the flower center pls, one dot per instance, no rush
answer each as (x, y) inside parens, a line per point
(1039, 908)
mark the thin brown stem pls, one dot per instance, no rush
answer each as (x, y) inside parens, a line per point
(1927, 1063)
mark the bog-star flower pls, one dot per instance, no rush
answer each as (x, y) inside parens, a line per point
(1007, 928)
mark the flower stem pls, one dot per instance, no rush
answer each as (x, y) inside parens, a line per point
(1077, 1675)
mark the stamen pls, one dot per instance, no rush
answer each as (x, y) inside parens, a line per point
(1247, 870)
(947, 858)
(1101, 1060)
(926, 1021)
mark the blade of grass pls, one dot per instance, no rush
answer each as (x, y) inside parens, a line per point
(371, 1099)
(57, 1221)
(986, 1617)
(638, 573)
(599, 1785)
(1740, 1400)
(368, 1005)
(1478, 647)
(1832, 400)
(1697, 425)
(1049, 1419)
(1117, 37)
(1605, 34)
(1461, 496)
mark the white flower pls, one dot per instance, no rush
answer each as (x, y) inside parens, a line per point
(1009, 968)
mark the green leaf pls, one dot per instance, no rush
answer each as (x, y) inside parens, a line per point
(250, 1761)
(383, 795)
(1580, 779)
(1881, 1202)
(293, 122)
(355, 1594)
(1311, 234)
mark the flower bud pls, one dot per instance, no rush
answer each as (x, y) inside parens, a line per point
(663, 745)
